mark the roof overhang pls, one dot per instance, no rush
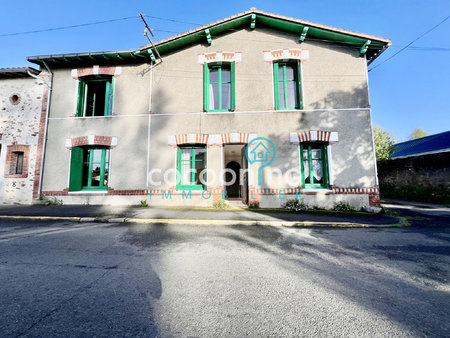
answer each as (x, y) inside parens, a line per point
(369, 45)
(15, 73)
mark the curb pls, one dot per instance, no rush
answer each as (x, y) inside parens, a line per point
(303, 224)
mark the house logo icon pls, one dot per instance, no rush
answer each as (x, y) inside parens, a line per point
(262, 151)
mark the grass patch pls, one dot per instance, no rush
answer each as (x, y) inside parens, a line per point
(221, 204)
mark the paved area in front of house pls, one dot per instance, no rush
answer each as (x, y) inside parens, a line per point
(76, 279)
(106, 212)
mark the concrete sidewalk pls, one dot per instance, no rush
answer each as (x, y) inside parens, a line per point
(419, 207)
(96, 213)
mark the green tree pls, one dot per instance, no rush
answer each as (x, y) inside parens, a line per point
(384, 143)
(418, 133)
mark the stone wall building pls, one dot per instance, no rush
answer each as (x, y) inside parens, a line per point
(20, 116)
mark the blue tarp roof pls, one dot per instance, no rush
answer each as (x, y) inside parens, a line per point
(430, 143)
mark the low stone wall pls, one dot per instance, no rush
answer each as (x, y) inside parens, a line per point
(431, 171)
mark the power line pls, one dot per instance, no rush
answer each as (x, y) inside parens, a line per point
(172, 20)
(68, 27)
(409, 44)
(433, 49)
(101, 22)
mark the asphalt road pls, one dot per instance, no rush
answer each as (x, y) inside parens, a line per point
(70, 279)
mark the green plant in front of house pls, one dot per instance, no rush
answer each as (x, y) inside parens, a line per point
(384, 143)
(388, 212)
(144, 204)
(221, 204)
(295, 205)
(343, 207)
(253, 205)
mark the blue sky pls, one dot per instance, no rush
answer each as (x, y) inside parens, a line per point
(411, 90)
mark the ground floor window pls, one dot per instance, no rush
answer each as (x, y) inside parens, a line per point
(17, 163)
(191, 161)
(314, 165)
(89, 169)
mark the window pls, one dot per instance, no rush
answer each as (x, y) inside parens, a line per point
(16, 166)
(219, 87)
(191, 161)
(314, 165)
(89, 169)
(288, 89)
(95, 96)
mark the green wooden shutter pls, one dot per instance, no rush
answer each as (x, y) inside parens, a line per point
(325, 166)
(80, 101)
(302, 166)
(205, 86)
(76, 169)
(178, 168)
(233, 87)
(108, 98)
(299, 84)
(276, 85)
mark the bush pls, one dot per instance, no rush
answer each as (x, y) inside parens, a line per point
(253, 205)
(295, 205)
(50, 201)
(343, 206)
(144, 204)
(221, 204)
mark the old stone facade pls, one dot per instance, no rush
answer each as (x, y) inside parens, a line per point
(20, 114)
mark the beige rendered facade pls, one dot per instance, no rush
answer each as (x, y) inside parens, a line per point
(201, 108)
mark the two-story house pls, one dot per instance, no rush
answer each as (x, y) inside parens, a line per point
(177, 121)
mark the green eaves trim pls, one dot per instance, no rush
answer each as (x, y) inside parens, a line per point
(275, 23)
(198, 36)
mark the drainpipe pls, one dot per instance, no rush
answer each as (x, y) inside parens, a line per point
(44, 144)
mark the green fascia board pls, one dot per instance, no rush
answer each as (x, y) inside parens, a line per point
(199, 36)
(274, 23)
(243, 22)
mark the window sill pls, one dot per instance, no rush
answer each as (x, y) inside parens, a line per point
(25, 175)
(316, 190)
(88, 192)
(192, 191)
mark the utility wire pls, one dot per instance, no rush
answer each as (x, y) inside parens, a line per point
(434, 49)
(409, 44)
(172, 20)
(68, 27)
(101, 22)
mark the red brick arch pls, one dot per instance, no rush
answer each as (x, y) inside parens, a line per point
(107, 141)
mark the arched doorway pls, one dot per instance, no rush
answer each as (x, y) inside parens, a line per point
(234, 189)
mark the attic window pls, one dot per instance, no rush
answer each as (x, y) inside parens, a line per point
(14, 99)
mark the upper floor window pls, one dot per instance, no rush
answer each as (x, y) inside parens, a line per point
(95, 96)
(314, 165)
(288, 89)
(219, 86)
(191, 162)
(89, 169)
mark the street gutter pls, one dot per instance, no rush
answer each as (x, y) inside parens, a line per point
(300, 224)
